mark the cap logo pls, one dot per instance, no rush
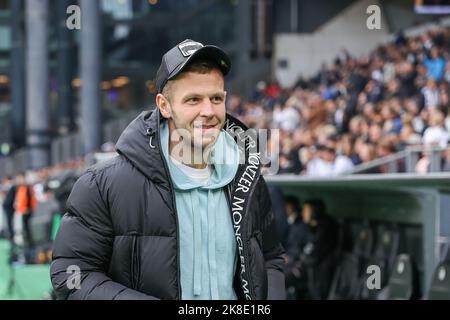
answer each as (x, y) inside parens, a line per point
(189, 47)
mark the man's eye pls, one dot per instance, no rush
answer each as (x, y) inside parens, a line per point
(217, 99)
(193, 100)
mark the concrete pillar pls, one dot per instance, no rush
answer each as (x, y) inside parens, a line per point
(37, 103)
(17, 76)
(65, 70)
(90, 75)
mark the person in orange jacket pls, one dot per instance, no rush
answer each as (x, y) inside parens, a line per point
(25, 205)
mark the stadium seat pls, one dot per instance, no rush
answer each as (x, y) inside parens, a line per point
(347, 276)
(403, 283)
(386, 249)
(440, 285)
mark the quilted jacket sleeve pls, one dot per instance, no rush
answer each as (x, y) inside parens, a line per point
(84, 242)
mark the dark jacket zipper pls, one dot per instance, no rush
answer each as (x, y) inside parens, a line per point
(151, 134)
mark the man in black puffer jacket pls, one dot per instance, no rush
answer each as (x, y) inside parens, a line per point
(134, 231)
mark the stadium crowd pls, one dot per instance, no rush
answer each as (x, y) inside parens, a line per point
(359, 109)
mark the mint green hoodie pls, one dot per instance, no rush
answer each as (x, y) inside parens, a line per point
(207, 242)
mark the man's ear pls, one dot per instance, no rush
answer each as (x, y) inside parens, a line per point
(164, 106)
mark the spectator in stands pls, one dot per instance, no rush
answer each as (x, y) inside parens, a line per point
(290, 162)
(367, 153)
(435, 65)
(286, 116)
(391, 119)
(408, 137)
(328, 162)
(259, 92)
(392, 89)
(447, 73)
(375, 132)
(386, 147)
(317, 113)
(436, 134)
(339, 115)
(444, 99)
(413, 115)
(431, 94)
(400, 39)
(273, 90)
(255, 115)
(423, 165)
(374, 91)
(355, 126)
(342, 164)
(236, 106)
(406, 76)
(318, 166)
(369, 111)
(346, 148)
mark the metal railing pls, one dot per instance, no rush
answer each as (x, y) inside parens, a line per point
(408, 158)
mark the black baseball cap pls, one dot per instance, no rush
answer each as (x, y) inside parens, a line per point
(176, 59)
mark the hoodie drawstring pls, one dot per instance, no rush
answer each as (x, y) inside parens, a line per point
(197, 244)
(198, 259)
(212, 245)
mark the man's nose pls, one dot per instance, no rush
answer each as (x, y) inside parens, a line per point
(207, 108)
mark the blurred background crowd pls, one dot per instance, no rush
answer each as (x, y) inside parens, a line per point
(357, 109)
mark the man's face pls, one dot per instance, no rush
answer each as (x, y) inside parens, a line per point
(197, 105)
(290, 210)
(20, 179)
(434, 53)
(5, 182)
(307, 213)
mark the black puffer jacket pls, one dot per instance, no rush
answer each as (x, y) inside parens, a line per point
(121, 226)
